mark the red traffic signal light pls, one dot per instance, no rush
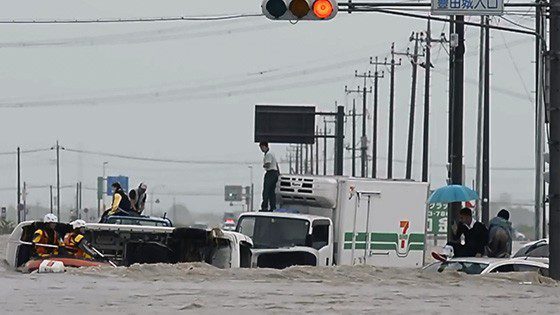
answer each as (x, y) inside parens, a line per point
(295, 10)
(322, 9)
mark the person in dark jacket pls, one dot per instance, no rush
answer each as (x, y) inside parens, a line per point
(500, 236)
(475, 236)
(120, 204)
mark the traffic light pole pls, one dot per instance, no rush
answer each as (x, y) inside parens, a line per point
(486, 129)
(554, 142)
(457, 119)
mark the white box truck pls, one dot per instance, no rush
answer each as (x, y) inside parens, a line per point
(326, 220)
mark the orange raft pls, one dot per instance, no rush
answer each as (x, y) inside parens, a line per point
(34, 264)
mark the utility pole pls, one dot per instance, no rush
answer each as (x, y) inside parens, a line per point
(24, 201)
(480, 116)
(339, 142)
(486, 128)
(18, 184)
(57, 148)
(325, 147)
(428, 40)
(414, 60)
(540, 209)
(58, 181)
(376, 77)
(317, 151)
(363, 139)
(353, 146)
(457, 117)
(554, 142)
(51, 197)
(392, 65)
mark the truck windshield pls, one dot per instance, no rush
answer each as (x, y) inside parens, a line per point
(271, 232)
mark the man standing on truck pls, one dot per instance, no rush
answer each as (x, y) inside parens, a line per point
(270, 165)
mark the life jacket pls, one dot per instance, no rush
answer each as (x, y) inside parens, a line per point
(71, 243)
(42, 236)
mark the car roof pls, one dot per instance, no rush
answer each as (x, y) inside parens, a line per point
(498, 261)
(309, 217)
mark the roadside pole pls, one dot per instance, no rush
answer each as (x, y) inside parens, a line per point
(554, 142)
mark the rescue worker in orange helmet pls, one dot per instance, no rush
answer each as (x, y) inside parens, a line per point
(47, 235)
(75, 242)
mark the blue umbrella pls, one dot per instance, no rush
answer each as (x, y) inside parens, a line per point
(452, 193)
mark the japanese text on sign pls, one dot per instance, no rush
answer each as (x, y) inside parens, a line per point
(437, 219)
(467, 7)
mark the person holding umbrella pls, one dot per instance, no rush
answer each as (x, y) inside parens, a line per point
(474, 233)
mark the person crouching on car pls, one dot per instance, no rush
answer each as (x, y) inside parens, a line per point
(75, 242)
(46, 239)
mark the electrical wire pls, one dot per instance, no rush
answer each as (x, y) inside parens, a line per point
(135, 20)
(162, 160)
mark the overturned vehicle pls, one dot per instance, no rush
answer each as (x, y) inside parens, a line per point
(125, 245)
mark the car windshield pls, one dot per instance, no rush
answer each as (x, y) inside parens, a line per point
(471, 268)
(271, 232)
(539, 249)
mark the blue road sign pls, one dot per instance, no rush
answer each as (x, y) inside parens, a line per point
(123, 180)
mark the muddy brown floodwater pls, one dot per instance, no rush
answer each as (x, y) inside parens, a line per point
(199, 288)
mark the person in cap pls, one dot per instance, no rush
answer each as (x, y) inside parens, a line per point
(272, 172)
(138, 198)
(46, 238)
(500, 236)
(75, 243)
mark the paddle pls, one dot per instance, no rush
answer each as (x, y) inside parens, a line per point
(103, 256)
(38, 244)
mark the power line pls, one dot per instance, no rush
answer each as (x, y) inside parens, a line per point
(162, 160)
(135, 20)
(24, 151)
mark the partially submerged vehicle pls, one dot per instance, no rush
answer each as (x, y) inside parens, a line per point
(484, 265)
(337, 220)
(129, 244)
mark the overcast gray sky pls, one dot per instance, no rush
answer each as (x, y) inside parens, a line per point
(187, 90)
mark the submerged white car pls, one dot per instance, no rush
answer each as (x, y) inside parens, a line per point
(129, 244)
(483, 265)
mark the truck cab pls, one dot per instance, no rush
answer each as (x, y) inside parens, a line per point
(281, 240)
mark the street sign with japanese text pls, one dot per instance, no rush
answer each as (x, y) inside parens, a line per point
(437, 219)
(467, 7)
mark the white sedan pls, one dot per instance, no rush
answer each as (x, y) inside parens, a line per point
(475, 266)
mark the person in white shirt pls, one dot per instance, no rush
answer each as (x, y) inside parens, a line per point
(270, 165)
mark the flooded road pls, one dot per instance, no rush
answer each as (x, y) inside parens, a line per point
(199, 288)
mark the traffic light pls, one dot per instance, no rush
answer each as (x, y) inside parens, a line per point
(294, 10)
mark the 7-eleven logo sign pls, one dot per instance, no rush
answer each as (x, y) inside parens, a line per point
(402, 247)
